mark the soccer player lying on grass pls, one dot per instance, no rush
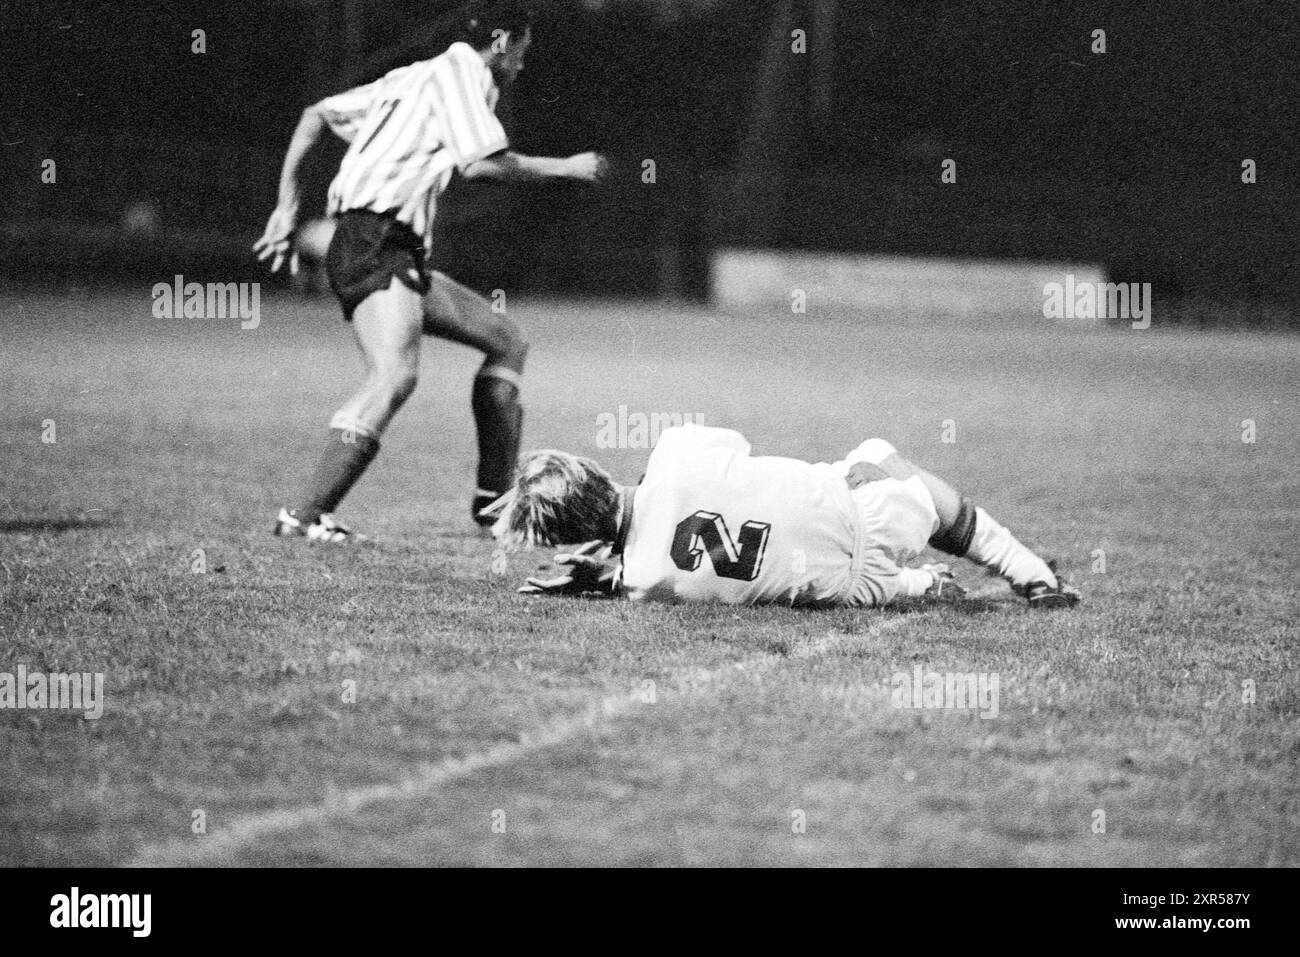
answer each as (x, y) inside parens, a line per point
(408, 132)
(710, 522)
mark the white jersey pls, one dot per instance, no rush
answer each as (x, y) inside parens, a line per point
(709, 522)
(409, 130)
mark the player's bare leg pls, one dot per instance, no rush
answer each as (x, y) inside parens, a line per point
(968, 531)
(454, 312)
(387, 329)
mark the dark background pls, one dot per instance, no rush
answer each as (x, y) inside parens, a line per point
(1131, 159)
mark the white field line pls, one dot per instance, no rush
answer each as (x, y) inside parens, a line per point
(221, 846)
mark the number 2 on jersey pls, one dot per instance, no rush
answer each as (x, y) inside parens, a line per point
(739, 559)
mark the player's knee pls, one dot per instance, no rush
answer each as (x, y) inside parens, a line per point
(957, 531)
(511, 348)
(875, 451)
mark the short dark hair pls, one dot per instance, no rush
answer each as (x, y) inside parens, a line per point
(472, 23)
(482, 18)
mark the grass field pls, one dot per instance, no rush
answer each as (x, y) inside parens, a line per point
(478, 707)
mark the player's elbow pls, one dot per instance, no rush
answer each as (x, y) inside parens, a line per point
(481, 169)
(496, 166)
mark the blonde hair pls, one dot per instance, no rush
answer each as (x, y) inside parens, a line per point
(558, 499)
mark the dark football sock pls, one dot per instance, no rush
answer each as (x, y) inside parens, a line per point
(499, 418)
(345, 457)
(956, 538)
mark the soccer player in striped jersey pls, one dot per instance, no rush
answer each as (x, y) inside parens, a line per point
(408, 132)
(841, 534)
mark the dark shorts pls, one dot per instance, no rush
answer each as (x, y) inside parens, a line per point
(367, 251)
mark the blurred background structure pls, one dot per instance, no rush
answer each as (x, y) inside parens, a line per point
(167, 160)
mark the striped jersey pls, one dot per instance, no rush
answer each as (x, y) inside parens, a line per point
(409, 130)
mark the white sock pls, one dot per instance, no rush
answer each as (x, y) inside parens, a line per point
(995, 547)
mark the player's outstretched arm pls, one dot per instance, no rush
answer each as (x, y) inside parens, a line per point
(590, 572)
(277, 241)
(518, 168)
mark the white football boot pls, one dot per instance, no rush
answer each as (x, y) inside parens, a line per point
(324, 529)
